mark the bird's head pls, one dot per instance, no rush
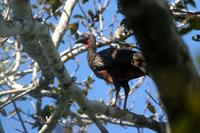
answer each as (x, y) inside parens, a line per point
(88, 39)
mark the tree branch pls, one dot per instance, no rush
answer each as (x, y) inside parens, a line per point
(13, 27)
(1, 128)
(36, 86)
(41, 43)
(20, 118)
(168, 60)
(22, 11)
(63, 23)
(138, 120)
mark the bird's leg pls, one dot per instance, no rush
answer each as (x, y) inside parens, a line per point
(126, 91)
(117, 89)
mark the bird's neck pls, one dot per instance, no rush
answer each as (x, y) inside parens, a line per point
(91, 51)
(91, 43)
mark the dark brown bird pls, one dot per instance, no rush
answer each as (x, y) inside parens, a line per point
(114, 65)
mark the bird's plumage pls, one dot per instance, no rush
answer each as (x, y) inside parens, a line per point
(120, 64)
(114, 65)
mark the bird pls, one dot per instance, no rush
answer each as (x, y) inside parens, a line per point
(114, 65)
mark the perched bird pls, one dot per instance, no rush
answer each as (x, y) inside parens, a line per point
(116, 66)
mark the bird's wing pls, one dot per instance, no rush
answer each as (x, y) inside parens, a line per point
(103, 59)
(113, 58)
(123, 58)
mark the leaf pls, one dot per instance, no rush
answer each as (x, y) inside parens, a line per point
(151, 108)
(79, 111)
(94, 17)
(90, 13)
(73, 27)
(3, 112)
(47, 111)
(84, 1)
(55, 4)
(55, 90)
(34, 6)
(52, 27)
(85, 91)
(196, 38)
(90, 80)
(78, 16)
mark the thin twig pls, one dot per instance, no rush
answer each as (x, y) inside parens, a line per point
(152, 97)
(35, 87)
(20, 117)
(1, 128)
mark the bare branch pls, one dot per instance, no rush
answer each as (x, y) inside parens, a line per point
(38, 85)
(1, 128)
(117, 113)
(63, 23)
(20, 118)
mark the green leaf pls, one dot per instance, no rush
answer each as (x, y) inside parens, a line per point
(151, 108)
(47, 111)
(84, 1)
(85, 91)
(34, 6)
(90, 80)
(73, 27)
(52, 27)
(55, 90)
(196, 38)
(78, 16)
(79, 111)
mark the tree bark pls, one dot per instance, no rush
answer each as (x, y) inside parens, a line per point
(168, 61)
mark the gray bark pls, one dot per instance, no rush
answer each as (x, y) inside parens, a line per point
(168, 61)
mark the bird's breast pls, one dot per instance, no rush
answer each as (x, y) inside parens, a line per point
(104, 74)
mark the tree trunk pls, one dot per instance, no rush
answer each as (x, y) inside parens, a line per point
(168, 61)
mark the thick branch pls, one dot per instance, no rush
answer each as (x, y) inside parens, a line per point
(54, 64)
(62, 74)
(38, 85)
(22, 11)
(64, 21)
(13, 27)
(138, 120)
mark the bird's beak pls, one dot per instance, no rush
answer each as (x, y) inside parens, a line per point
(80, 40)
